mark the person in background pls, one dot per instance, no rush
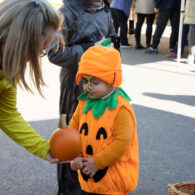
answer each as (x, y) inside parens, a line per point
(144, 9)
(120, 10)
(131, 28)
(107, 124)
(190, 19)
(184, 42)
(31, 26)
(86, 24)
(166, 9)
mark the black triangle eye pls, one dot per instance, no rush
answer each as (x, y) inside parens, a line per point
(101, 131)
(84, 128)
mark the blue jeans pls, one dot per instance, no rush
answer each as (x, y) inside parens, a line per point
(192, 40)
(184, 38)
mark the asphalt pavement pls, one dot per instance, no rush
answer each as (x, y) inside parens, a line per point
(163, 98)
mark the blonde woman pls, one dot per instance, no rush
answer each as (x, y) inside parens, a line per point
(26, 28)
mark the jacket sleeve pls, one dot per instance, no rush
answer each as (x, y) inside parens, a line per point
(13, 124)
(112, 32)
(71, 54)
(64, 57)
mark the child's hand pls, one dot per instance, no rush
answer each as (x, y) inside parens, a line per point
(50, 158)
(90, 168)
(76, 163)
(100, 42)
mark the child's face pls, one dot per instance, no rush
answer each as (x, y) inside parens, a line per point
(95, 88)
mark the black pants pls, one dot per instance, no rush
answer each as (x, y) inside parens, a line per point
(68, 183)
(120, 20)
(149, 22)
(192, 40)
(164, 15)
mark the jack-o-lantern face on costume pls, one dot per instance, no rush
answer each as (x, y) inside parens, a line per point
(101, 134)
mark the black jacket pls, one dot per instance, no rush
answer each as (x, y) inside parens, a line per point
(81, 29)
(166, 4)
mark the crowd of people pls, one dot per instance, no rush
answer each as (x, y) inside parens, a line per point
(91, 75)
(158, 12)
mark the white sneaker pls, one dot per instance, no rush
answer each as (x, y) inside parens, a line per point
(126, 46)
(190, 59)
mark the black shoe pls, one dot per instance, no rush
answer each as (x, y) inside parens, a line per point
(131, 27)
(151, 50)
(131, 31)
(140, 46)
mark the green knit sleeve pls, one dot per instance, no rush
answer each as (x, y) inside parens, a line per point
(13, 124)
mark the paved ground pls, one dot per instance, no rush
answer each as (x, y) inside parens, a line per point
(163, 97)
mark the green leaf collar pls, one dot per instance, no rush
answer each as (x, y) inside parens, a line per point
(98, 106)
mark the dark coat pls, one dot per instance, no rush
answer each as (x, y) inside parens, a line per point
(166, 4)
(81, 29)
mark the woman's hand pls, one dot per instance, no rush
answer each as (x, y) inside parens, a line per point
(90, 168)
(51, 159)
(76, 163)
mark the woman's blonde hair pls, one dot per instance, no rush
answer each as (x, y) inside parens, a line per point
(23, 26)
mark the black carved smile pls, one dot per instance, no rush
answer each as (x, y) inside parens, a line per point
(89, 150)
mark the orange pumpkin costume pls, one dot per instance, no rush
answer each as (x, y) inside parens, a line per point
(96, 121)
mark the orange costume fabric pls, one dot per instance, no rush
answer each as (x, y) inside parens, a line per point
(118, 176)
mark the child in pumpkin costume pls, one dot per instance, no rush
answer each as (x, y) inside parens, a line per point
(107, 124)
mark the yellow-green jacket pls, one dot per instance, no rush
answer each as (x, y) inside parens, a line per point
(190, 12)
(13, 124)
